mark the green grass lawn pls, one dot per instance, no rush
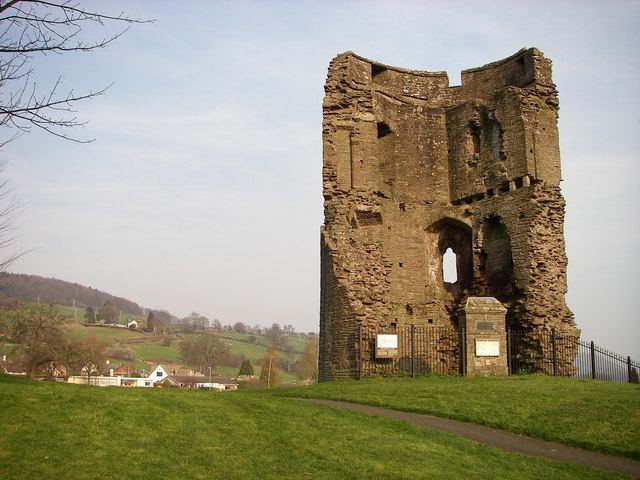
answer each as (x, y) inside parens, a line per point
(71, 431)
(296, 344)
(597, 415)
(157, 353)
(78, 331)
(253, 352)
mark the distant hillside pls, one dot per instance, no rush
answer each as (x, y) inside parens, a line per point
(52, 290)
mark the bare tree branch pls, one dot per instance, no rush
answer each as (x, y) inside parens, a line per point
(10, 210)
(29, 28)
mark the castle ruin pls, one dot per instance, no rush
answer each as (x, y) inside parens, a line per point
(412, 168)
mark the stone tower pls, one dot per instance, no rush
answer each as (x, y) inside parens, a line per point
(413, 167)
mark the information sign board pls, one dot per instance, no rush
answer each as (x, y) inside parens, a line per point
(386, 345)
(487, 348)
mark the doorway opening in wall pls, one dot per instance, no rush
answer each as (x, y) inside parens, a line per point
(449, 266)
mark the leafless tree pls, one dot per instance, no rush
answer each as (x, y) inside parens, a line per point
(32, 28)
(86, 356)
(9, 211)
(268, 371)
(307, 366)
(203, 351)
(36, 331)
(29, 29)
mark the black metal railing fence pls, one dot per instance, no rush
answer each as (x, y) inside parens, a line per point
(556, 353)
(422, 349)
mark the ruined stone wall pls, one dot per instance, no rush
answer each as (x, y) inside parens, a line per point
(413, 167)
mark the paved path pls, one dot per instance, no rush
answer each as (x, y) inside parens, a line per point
(498, 438)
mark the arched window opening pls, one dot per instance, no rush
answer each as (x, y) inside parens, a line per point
(449, 266)
(452, 255)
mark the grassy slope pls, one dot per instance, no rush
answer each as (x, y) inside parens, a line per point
(297, 344)
(602, 416)
(70, 431)
(156, 353)
(110, 335)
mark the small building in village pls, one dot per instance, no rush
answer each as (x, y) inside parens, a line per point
(159, 377)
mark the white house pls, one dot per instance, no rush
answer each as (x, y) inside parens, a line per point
(158, 374)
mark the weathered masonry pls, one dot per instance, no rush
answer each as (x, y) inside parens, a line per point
(415, 170)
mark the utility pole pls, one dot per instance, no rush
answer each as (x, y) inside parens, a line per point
(209, 378)
(75, 316)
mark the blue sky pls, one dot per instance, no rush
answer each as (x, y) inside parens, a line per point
(202, 190)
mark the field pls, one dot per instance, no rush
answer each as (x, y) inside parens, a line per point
(72, 431)
(596, 415)
(150, 352)
(297, 344)
(78, 331)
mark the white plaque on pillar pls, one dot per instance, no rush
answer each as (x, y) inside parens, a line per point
(487, 348)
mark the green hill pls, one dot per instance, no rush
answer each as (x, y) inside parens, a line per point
(31, 288)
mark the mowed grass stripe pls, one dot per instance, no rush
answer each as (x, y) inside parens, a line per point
(69, 431)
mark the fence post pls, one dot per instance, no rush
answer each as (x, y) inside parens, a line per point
(593, 360)
(554, 353)
(463, 349)
(509, 364)
(359, 352)
(629, 369)
(413, 351)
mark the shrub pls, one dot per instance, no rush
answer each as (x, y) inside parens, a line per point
(246, 368)
(120, 353)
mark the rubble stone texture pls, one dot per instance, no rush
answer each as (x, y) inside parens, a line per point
(413, 167)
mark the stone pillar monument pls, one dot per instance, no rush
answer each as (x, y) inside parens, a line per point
(486, 339)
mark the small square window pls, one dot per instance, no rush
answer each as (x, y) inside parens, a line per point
(158, 374)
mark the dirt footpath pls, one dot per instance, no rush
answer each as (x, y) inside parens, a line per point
(498, 438)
